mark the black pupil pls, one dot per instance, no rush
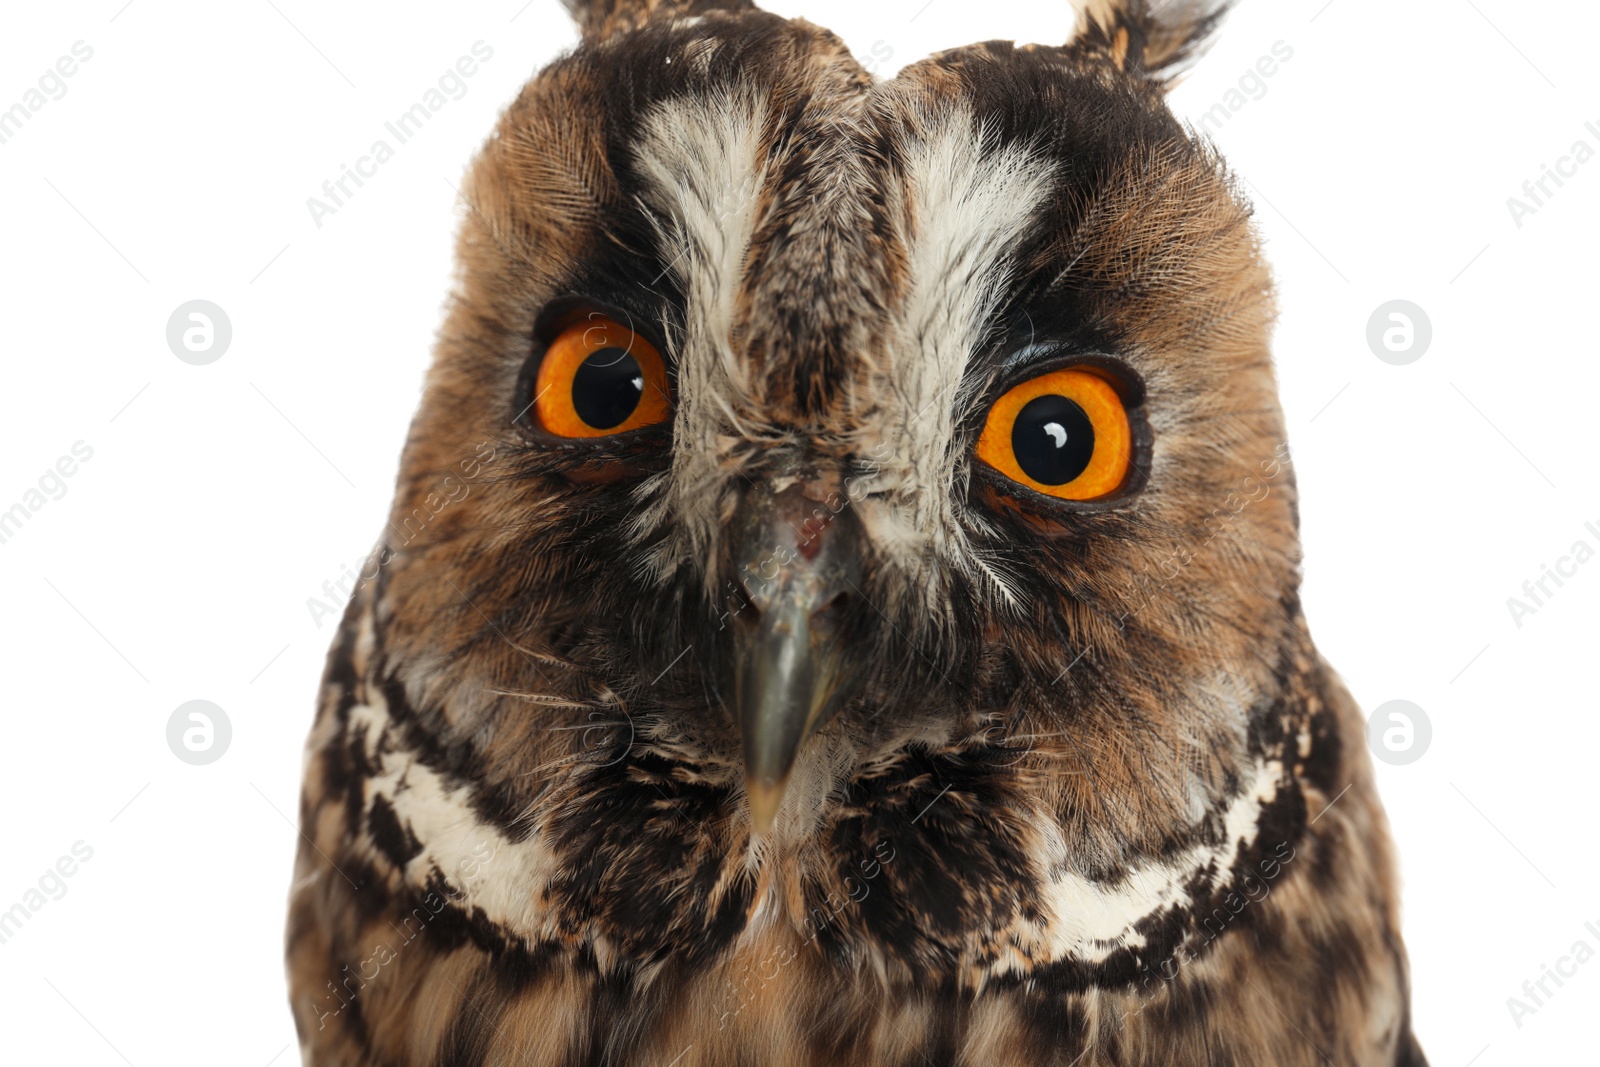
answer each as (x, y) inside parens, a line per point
(606, 388)
(1052, 439)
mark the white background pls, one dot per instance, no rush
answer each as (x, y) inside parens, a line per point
(219, 498)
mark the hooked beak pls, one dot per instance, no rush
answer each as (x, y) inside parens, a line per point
(798, 563)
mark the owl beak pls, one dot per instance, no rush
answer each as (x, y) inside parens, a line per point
(799, 567)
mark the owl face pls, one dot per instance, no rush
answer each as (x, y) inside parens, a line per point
(853, 464)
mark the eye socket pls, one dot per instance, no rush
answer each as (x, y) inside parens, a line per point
(600, 378)
(1065, 434)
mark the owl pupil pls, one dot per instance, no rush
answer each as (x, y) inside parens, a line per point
(1052, 439)
(606, 388)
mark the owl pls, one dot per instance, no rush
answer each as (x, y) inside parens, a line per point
(840, 601)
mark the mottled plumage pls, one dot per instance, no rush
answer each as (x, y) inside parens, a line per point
(1085, 793)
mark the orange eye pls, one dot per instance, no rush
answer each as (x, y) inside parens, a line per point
(1064, 434)
(599, 378)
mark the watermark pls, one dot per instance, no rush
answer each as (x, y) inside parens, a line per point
(1252, 86)
(1538, 191)
(1536, 992)
(51, 885)
(199, 332)
(450, 490)
(1254, 887)
(52, 85)
(199, 732)
(1399, 332)
(1566, 567)
(52, 485)
(602, 744)
(1399, 732)
(451, 85)
(879, 54)
(429, 905)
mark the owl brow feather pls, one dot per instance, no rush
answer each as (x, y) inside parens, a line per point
(491, 230)
(1101, 202)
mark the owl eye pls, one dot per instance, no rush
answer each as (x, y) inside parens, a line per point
(1065, 434)
(600, 378)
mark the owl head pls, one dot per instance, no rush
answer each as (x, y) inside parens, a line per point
(814, 464)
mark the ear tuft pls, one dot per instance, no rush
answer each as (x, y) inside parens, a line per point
(599, 19)
(1159, 38)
